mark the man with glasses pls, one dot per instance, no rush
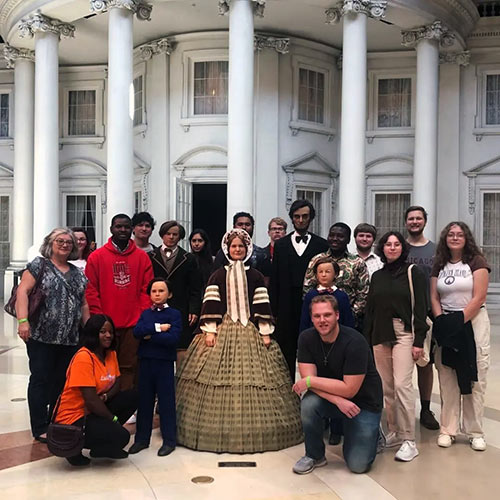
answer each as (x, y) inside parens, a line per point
(119, 274)
(276, 229)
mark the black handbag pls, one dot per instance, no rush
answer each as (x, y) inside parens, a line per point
(35, 297)
(65, 440)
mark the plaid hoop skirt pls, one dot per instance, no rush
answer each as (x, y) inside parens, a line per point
(237, 396)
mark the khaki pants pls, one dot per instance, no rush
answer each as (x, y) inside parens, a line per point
(126, 351)
(395, 366)
(471, 405)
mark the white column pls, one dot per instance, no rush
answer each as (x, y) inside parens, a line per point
(427, 40)
(240, 137)
(47, 33)
(353, 112)
(22, 197)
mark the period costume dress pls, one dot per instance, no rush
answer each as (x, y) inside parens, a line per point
(236, 396)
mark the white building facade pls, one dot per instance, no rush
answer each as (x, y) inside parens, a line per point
(197, 109)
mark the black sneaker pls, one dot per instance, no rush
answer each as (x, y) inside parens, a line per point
(78, 460)
(115, 454)
(137, 447)
(428, 420)
(165, 450)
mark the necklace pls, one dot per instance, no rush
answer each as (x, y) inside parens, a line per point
(325, 355)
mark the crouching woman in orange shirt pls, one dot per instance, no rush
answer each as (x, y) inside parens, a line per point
(92, 397)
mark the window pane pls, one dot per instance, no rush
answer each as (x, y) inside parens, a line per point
(389, 211)
(491, 233)
(4, 115)
(315, 198)
(4, 232)
(81, 112)
(210, 87)
(492, 99)
(80, 211)
(138, 101)
(394, 102)
(311, 95)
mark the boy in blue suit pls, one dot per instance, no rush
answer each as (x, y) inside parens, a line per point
(158, 330)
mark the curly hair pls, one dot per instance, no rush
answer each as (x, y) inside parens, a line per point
(470, 250)
(405, 249)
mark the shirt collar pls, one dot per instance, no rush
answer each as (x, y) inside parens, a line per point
(118, 248)
(160, 307)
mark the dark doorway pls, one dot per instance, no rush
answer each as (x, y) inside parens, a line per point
(209, 211)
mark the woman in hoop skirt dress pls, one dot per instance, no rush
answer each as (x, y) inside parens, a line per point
(233, 389)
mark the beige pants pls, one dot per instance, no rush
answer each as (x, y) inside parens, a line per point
(472, 405)
(395, 366)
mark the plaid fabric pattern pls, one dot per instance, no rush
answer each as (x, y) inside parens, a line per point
(236, 396)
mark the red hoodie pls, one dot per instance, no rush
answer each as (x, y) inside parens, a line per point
(118, 282)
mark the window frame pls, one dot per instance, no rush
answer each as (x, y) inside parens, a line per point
(297, 125)
(373, 130)
(5, 191)
(66, 88)
(317, 187)
(8, 140)
(482, 190)
(140, 71)
(481, 128)
(189, 58)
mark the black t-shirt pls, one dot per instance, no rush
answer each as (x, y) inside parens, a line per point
(349, 355)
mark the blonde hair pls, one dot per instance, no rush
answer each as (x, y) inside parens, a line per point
(46, 248)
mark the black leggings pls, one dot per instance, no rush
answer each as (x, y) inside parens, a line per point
(104, 436)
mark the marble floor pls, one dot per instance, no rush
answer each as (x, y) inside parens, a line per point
(27, 470)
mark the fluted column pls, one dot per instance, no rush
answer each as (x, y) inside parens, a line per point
(240, 136)
(47, 33)
(120, 134)
(352, 184)
(426, 40)
(23, 62)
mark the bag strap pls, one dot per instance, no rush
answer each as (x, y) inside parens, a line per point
(412, 296)
(56, 408)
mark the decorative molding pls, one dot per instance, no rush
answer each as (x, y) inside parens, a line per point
(279, 44)
(460, 58)
(156, 47)
(435, 31)
(491, 168)
(258, 7)
(38, 23)
(371, 8)
(140, 8)
(340, 60)
(12, 54)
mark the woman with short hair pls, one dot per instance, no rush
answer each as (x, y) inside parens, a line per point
(459, 284)
(51, 336)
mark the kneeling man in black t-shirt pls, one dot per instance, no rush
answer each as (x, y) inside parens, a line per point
(339, 375)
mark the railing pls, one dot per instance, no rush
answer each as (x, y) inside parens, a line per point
(488, 8)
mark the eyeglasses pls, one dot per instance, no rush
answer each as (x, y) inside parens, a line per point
(276, 229)
(81, 239)
(60, 242)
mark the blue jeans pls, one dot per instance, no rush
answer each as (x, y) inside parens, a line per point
(360, 432)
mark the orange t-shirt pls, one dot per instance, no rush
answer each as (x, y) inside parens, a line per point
(85, 370)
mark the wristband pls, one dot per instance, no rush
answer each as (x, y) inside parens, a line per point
(22, 320)
(308, 382)
(115, 419)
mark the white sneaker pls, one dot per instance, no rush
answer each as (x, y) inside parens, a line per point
(392, 440)
(132, 419)
(407, 452)
(445, 440)
(478, 443)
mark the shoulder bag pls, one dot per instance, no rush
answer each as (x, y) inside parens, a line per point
(35, 297)
(426, 356)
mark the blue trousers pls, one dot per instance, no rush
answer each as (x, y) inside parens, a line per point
(156, 378)
(360, 432)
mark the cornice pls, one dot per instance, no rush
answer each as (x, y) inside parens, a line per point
(12, 54)
(146, 51)
(435, 31)
(38, 23)
(371, 8)
(258, 6)
(265, 41)
(140, 8)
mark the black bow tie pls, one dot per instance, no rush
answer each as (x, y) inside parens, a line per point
(326, 290)
(303, 238)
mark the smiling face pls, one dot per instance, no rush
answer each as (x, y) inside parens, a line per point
(455, 239)
(338, 239)
(392, 249)
(143, 230)
(325, 274)
(415, 223)
(62, 246)
(364, 241)
(172, 237)
(159, 293)
(197, 243)
(106, 335)
(324, 318)
(237, 250)
(81, 239)
(121, 230)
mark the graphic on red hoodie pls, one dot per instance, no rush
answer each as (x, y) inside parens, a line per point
(121, 274)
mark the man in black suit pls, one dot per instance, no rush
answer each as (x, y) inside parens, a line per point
(292, 253)
(276, 229)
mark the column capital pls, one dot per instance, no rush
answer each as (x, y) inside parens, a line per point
(12, 54)
(371, 8)
(138, 7)
(460, 58)
(38, 23)
(156, 47)
(435, 31)
(279, 44)
(258, 6)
